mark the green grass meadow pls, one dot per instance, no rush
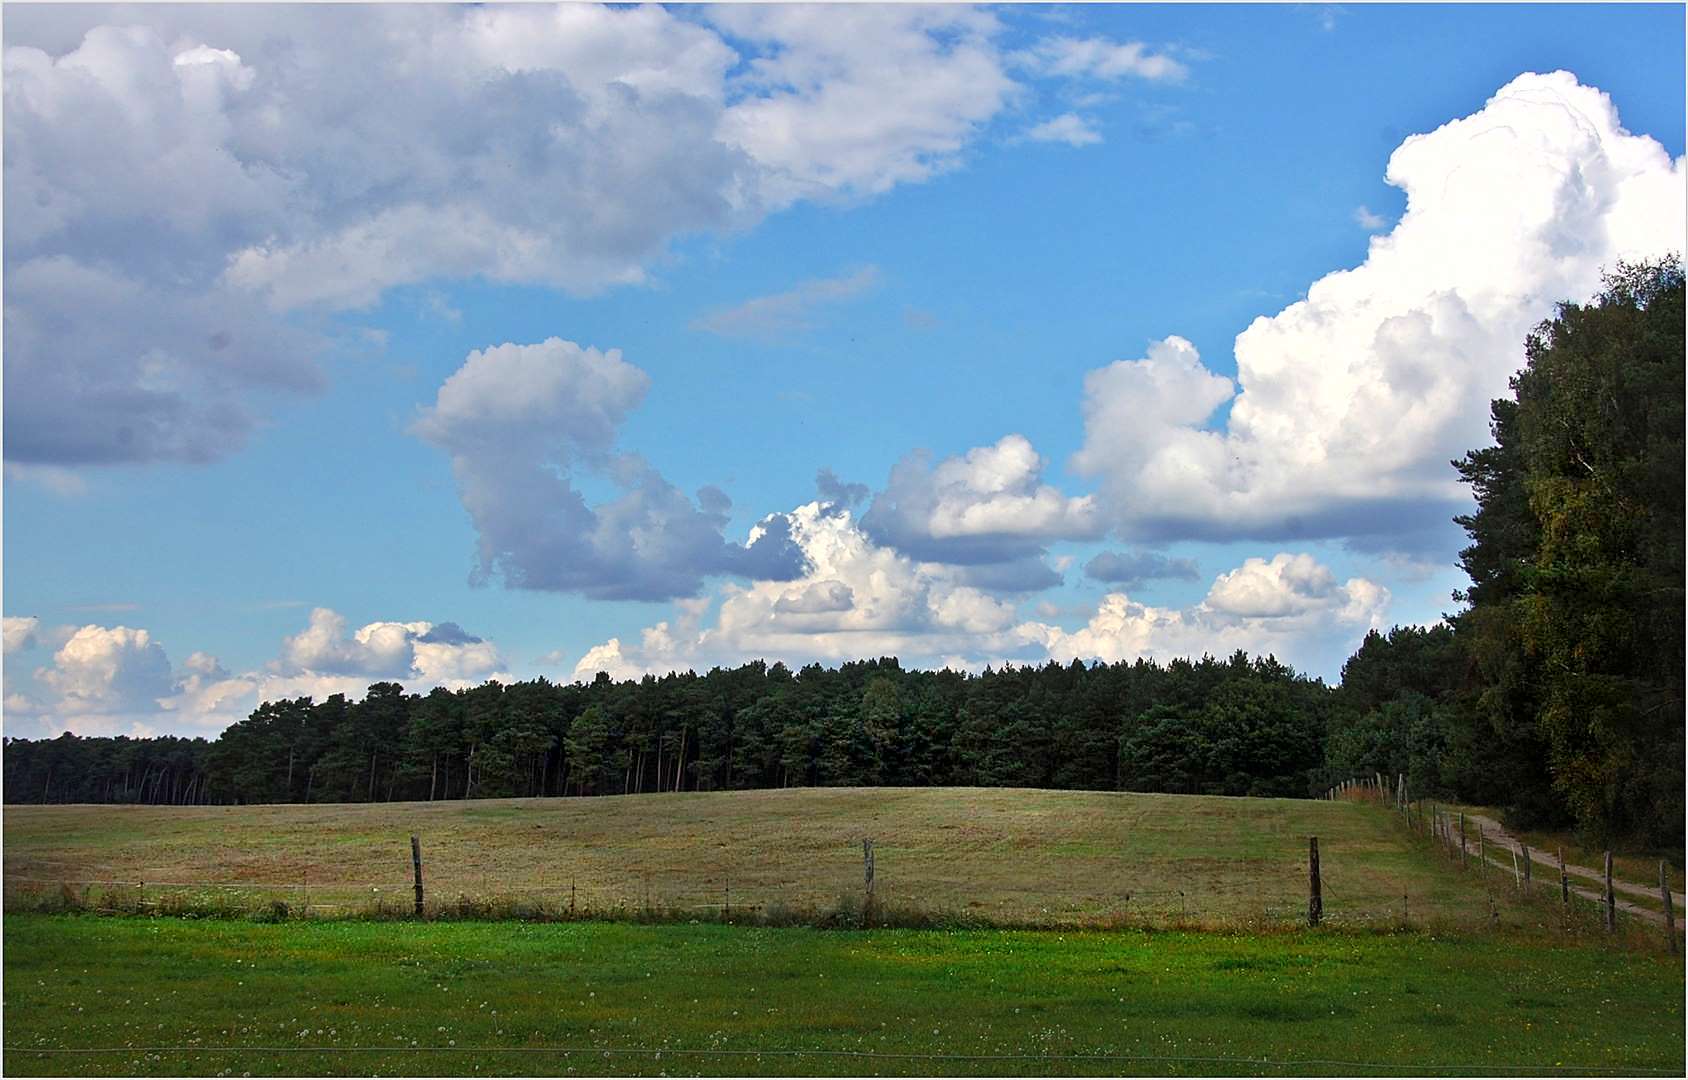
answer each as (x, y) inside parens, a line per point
(444, 998)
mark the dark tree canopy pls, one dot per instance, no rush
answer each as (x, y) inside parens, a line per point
(1260, 725)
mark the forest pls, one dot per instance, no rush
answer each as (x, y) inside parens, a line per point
(1555, 691)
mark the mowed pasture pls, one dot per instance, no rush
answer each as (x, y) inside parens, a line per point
(1004, 856)
(123, 996)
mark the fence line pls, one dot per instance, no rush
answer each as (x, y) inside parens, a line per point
(1438, 827)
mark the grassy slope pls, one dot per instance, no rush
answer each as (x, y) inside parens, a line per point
(1401, 1002)
(1014, 855)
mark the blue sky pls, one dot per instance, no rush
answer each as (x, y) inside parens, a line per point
(1022, 241)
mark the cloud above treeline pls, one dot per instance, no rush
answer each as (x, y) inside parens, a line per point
(1344, 413)
(1348, 405)
(341, 152)
(859, 598)
(110, 680)
(191, 189)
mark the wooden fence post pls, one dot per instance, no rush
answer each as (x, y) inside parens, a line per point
(1315, 901)
(416, 866)
(1483, 851)
(1527, 862)
(1462, 859)
(1670, 916)
(867, 868)
(1517, 878)
(1611, 900)
(1564, 881)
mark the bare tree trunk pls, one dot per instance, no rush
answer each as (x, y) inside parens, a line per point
(290, 774)
(434, 779)
(370, 796)
(679, 765)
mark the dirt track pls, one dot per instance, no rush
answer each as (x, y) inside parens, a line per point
(1495, 834)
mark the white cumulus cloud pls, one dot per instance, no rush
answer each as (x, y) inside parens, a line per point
(989, 505)
(1349, 404)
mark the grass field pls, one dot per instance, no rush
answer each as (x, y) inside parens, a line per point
(1008, 856)
(437, 998)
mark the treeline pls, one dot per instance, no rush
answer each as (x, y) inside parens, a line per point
(1236, 727)
(1556, 693)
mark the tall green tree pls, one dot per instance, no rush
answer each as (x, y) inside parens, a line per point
(1575, 629)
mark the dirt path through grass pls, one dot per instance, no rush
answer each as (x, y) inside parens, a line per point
(1498, 835)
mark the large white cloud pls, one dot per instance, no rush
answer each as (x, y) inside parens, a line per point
(179, 177)
(1349, 404)
(517, 420)
(108, 669)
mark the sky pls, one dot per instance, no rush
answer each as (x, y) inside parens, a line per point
(443, 344)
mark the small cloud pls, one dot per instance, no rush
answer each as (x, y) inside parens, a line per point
(435, 306)
(21, 632)
(448, 633)
(54, 478)
(1069, 128)
(1369, 221)
(1327, 15)
(780, 315)
(1136, 567)
(836, 491)
(1100, 58)
(916, 319)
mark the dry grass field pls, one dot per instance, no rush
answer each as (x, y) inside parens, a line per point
(1013, 856)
